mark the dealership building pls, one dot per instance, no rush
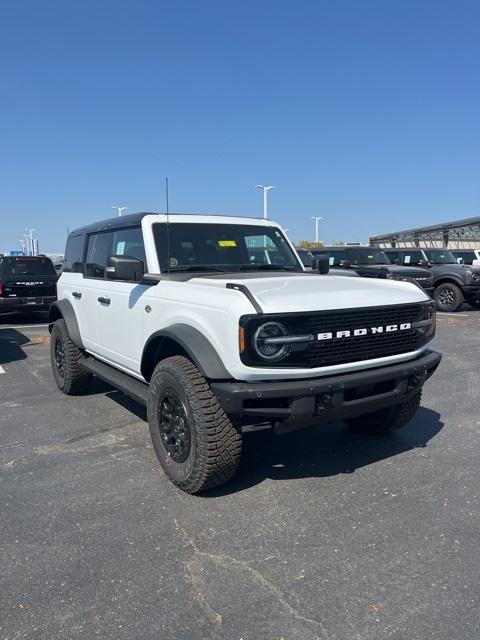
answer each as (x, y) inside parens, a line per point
(458, 234)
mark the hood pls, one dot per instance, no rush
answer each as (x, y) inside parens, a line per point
(393, 268)
(287, 293)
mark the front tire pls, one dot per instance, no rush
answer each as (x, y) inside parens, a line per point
(195, 441)
(70, 376)
(388, 419)
(448, 297)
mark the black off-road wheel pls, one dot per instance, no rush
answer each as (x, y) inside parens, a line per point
(70, 376)
(448, 297)
(195, 441)
(388, 419)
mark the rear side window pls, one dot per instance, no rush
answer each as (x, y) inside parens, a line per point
(74, 254)
(28, 266)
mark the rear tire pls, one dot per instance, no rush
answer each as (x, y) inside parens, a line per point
(388, 419)
(448, 297)
(195, 441)
(70, 376)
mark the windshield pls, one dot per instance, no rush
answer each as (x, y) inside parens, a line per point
(222, 247)
(440, 257)
(28, 266)
(367, 256)
(306, 257)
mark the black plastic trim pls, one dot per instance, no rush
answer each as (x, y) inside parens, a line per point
(134, 388)
(67, 312)
(197, 347)
(246, 292)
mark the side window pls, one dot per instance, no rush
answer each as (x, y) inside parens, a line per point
(129, 242)
(98, 250)
(74, 254)
(394, 255)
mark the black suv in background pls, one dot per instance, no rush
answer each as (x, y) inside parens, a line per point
(371, 262)
(453, 282)
(27, 283)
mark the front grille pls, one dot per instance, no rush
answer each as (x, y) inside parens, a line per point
(423, 279)
(320, 353)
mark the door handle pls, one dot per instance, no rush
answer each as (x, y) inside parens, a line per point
(103, 300)
(76, 294)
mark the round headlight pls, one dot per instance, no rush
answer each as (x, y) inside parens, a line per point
(267, 341)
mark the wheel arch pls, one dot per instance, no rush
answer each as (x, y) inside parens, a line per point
(64, 309)
(184, 340)
(448, 280)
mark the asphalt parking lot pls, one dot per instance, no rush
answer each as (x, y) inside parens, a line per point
(324, 533)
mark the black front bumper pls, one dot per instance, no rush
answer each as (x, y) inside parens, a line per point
(326, 399)
(41, 303)
(471, 291)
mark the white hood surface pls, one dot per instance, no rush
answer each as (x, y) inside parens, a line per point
(305, 292)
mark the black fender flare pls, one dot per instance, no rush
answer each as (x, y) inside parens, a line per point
(196, 346)
(446, 278)
(64, 309)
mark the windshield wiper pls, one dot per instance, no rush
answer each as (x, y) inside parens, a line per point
(195, 267)
(266, 267)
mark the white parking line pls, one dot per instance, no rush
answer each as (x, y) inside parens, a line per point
(2, 370)
(444, 313)
(24, 326)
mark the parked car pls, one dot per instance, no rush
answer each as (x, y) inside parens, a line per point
(371, 262)
(173, 311)
(467, 256)
(27, 283)
(308, 258)
(454, 283)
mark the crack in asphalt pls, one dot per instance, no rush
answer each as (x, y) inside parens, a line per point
(227, 562)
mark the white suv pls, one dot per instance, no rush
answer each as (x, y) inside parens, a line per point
(213, 323)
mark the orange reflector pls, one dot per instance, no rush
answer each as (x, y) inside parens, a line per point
(241, 339)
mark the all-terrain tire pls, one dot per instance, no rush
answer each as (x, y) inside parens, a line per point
(71, 377)
(214, 445)
(448, 297)
(388, 419)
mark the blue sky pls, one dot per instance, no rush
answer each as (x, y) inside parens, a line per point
(364, 112)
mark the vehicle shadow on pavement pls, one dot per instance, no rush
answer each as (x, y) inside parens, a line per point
(31, 318)
(11, 342)
(323, 451)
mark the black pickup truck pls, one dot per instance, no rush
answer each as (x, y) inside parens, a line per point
(27, 283)
(371, 262)
(453, 282)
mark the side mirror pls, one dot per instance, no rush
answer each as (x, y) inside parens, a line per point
(423, 263)
(124, 268)
(321, 263)
(345, 264)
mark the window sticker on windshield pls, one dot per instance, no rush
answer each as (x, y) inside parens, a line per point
(370, 257)
(407, 259)
(120, 248)
(331, 260)
(227, 243)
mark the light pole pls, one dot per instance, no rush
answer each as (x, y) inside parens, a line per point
(266, 188)
(120, 209)
(316, 218)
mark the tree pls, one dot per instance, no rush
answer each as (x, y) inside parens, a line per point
(306, 244)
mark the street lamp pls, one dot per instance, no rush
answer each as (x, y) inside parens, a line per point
(266, 188)
(316, 218)
(120, 209)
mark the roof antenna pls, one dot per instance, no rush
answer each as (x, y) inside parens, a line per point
(168, 225)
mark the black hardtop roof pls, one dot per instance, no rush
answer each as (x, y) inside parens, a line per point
(135, 219)
(341, 247)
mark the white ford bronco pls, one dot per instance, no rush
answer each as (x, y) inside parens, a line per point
(213, 323)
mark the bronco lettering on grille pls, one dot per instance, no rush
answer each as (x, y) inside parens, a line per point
(389, 328)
